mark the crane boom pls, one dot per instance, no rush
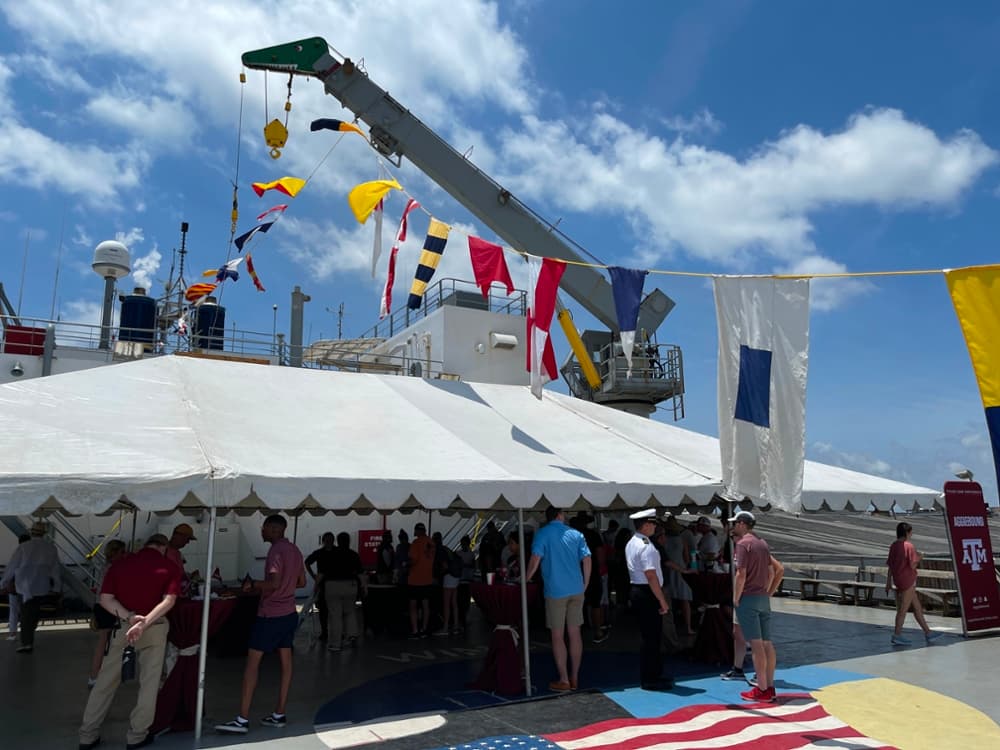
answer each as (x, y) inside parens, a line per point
(395, 132)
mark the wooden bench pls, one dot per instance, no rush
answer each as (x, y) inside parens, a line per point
(936, 588)
(810, 576)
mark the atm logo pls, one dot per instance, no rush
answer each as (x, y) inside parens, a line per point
(974, 554)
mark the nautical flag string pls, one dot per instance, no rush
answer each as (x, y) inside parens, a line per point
(385, 306)
(626, 286)
(364, 197)
(488, 265)
(281, 207)
(197, 291)
(975, 295)
(328, 123)
(290, 186)
(246, 236)
(253, 274)
(543, 284)
(763, 362)
(228, 270)
(437, 238)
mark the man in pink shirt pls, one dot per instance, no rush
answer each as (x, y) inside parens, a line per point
(758, 576)
(902, 563)
(277, 620)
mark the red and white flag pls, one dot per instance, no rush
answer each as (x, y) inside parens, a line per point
(797, 721)
(385, 307)
(543, 284)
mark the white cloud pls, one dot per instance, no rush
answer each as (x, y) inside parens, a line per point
(81, 237)
(702, 122)
(94, 175)
(151, 118)
(5, 75)
(144, 269)
(731, 212)
(134, 236)
(827, 453)
(828, 294)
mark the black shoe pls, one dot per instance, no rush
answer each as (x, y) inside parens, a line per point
(90, 745)
(323, 636)
(144, 742)
(25, 649)
(663, 685)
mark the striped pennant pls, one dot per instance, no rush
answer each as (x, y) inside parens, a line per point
(437, 238)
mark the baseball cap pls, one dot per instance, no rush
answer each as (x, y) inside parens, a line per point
(745, 516)
(184, 529)
(703, 521)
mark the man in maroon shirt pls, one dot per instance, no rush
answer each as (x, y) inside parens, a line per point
(277, 620)
(758, 576)
(139, 589)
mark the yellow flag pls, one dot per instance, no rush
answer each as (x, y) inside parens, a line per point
(288, 185)
(364, 197)
(975, 294)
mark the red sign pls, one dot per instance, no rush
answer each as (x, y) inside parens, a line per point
(368, 544)
(972, 554)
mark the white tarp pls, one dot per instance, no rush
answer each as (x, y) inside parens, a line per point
(159, 429)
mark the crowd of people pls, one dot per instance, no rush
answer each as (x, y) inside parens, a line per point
(588, 576)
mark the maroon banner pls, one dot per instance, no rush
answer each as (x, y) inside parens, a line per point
(972, 554)
(368, 544)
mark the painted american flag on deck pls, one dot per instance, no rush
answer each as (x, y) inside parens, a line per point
(797, 722)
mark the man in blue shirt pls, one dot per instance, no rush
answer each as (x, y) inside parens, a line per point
(565, 560)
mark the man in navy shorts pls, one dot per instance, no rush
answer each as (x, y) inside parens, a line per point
(277, 620)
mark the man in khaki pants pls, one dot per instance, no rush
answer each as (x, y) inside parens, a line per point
(139, 589)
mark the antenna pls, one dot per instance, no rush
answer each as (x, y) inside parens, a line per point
(24, 266)
(340, 319)
(55, 284)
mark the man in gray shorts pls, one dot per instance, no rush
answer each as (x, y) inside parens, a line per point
(565, 560)
(758, 576)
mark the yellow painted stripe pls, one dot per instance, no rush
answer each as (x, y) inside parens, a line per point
(975, 293)
(907, 716)
(418, 287)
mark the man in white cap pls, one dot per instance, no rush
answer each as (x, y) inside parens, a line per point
(34, 571)
(647, 599)
(758, 576)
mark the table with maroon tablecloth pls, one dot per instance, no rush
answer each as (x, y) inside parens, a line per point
(501, 605)
(176, 702)
(714, 641)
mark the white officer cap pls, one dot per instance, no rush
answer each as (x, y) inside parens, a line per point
(641, 514)
(745, 516)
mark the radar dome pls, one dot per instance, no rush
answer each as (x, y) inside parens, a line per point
(111, 260)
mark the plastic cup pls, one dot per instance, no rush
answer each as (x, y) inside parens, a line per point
(489, 578)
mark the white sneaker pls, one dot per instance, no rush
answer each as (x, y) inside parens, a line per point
(12, 637)
(233, 727)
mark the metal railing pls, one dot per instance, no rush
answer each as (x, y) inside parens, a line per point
(453, 292)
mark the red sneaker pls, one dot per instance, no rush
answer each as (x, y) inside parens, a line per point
(755, 694)
(769, 695)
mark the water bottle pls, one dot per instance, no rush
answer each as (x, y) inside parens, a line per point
(694, 560)
(128, 663)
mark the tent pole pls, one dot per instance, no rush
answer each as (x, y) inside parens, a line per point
(135, 512)
(295, 530)
(203, 642)
(524, 603)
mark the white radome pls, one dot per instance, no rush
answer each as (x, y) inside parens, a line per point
(111, 260)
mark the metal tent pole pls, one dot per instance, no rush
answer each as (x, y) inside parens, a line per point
(205, 609)
(524, 603)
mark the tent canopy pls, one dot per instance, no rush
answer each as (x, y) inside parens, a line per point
(168, 430)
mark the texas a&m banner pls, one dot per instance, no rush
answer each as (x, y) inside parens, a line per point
(972, 553)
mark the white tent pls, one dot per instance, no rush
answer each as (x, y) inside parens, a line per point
(181, 431)
(161, 430)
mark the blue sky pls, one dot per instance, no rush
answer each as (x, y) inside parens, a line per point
(716, 137)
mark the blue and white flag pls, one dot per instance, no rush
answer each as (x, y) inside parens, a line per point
(626, 286)
(763, 363)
